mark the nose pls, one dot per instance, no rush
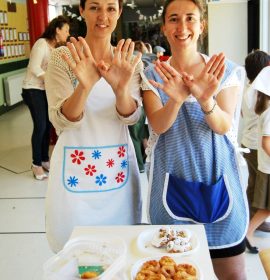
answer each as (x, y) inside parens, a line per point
(102, 14)
(181, 25)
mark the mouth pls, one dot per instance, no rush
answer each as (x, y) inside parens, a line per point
(101, 25)
(182, 37)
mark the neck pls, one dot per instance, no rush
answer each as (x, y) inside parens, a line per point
(100, 49)
(52, 43)
(184, 60)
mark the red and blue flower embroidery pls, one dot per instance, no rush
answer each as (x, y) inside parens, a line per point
(77, 157)
(104, 165)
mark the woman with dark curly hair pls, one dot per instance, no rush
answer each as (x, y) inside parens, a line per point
(34, 94)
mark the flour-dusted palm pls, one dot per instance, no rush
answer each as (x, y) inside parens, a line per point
(119, 73)
(204, 86)
(173, 84)
(83, 64)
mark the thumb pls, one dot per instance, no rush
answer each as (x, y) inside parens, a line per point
(103, 67)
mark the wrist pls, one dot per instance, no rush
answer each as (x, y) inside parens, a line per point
(209, 107)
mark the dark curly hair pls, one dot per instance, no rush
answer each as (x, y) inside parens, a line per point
(50, 31)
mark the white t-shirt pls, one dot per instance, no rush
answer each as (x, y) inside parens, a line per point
(38, 63)
(264, 130)
(250, 122)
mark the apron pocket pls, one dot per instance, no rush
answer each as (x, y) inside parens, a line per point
(95, 169)
(196, 201)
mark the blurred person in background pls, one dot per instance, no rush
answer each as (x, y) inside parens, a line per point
(34, 94)
(254, 63)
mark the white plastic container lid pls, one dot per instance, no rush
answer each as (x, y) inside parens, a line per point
(110, 253)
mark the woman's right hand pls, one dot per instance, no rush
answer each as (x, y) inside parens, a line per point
(83, 64)
(173, 84)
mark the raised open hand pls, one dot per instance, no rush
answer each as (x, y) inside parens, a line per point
(204, 86)
(83, 64)
(173, 84)
(120, 72)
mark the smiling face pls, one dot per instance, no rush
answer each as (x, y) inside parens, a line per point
(100, 16)
(182, 24)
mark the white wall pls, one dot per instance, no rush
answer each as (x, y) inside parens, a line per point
(264, 25)
(227, 25)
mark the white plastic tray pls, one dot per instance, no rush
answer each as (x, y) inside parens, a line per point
(109, 252)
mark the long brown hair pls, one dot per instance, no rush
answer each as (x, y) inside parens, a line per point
(50, 31)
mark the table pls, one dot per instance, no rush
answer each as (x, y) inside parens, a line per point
(130, 233)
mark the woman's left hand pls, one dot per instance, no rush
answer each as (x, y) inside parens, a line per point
(120, 72)
(204, 86)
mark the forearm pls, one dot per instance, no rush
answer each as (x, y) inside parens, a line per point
(74, 106)
(125, 103)
(161, 120)
(266, 144)
(217, 119)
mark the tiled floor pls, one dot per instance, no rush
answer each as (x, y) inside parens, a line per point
(23, 244)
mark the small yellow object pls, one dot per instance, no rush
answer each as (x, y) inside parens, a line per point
(89, 275)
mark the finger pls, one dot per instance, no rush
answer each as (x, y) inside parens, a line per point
(155, 84)
(186, 76)
(73, 52)
(221, 72)
(85, 48)
(136, 59)
(70, 63)
(103, 67)
(161, 74)
(219, 60)
(79, 49)
(166, 72)
(169, 69)
(219, 66)
(125, 48)
(188, 82)
(130, 51)
(117, 53)
(209, 64)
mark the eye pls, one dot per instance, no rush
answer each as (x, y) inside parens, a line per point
(173, 19)
(93, 8)
(191, 18)
(111, 9)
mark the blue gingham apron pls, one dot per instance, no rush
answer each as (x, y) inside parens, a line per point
(194, 176)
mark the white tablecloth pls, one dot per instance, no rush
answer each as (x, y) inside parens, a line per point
(129, 234)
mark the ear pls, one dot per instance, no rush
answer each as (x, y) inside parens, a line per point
(163, 29)
(81, 11)
(57, 30)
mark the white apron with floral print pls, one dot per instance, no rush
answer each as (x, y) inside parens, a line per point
(94, 179)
